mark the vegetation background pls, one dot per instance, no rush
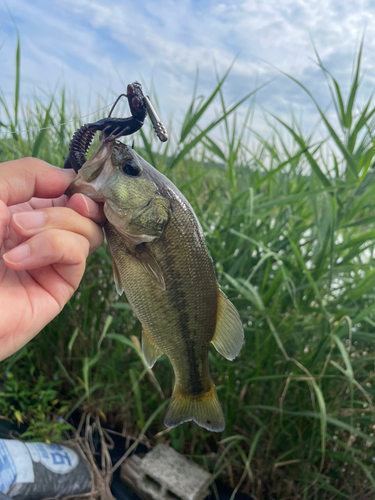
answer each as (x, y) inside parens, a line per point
(289, 221)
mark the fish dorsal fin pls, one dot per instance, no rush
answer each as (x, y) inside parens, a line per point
(228, 338)
(116, 277)
(150, 265)
(150, 350)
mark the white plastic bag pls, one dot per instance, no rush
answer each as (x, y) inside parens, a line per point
(33, 471)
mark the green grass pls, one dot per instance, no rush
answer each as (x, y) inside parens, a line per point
(289, 222)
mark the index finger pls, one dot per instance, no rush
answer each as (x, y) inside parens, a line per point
(22, 179)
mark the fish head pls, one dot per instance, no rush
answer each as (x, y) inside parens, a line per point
(118, 177)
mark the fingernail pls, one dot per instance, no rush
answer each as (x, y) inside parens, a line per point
(91, 206)
(17, 255)
(29, 220)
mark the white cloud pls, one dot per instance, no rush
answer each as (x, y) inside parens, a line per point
(93, 45)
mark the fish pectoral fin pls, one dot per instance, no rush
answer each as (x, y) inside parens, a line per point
(150, 350)
(116, 277)
(150, 265)
(228, 338)
(116, 274)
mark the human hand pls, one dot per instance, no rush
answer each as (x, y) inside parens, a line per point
(45, 239)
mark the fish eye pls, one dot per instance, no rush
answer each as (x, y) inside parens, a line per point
(130, 167)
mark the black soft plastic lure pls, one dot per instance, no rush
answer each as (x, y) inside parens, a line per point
(113, 128)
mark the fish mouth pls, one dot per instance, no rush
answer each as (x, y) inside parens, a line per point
(81, 186)
(94, 174)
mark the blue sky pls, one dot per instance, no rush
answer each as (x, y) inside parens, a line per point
(97, 47)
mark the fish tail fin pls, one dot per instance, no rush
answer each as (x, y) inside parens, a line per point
(204, 409)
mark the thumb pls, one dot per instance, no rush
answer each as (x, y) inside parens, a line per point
(4, 222)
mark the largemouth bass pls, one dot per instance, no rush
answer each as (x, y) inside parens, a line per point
(160, 260)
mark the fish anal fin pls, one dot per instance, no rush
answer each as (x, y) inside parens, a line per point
(228, 338)
(151, 352)
(150, 265)
(205, 410)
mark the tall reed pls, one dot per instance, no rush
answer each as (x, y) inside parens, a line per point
(289, 223)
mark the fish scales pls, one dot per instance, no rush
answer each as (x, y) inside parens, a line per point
(160, 260)
(185, 311)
